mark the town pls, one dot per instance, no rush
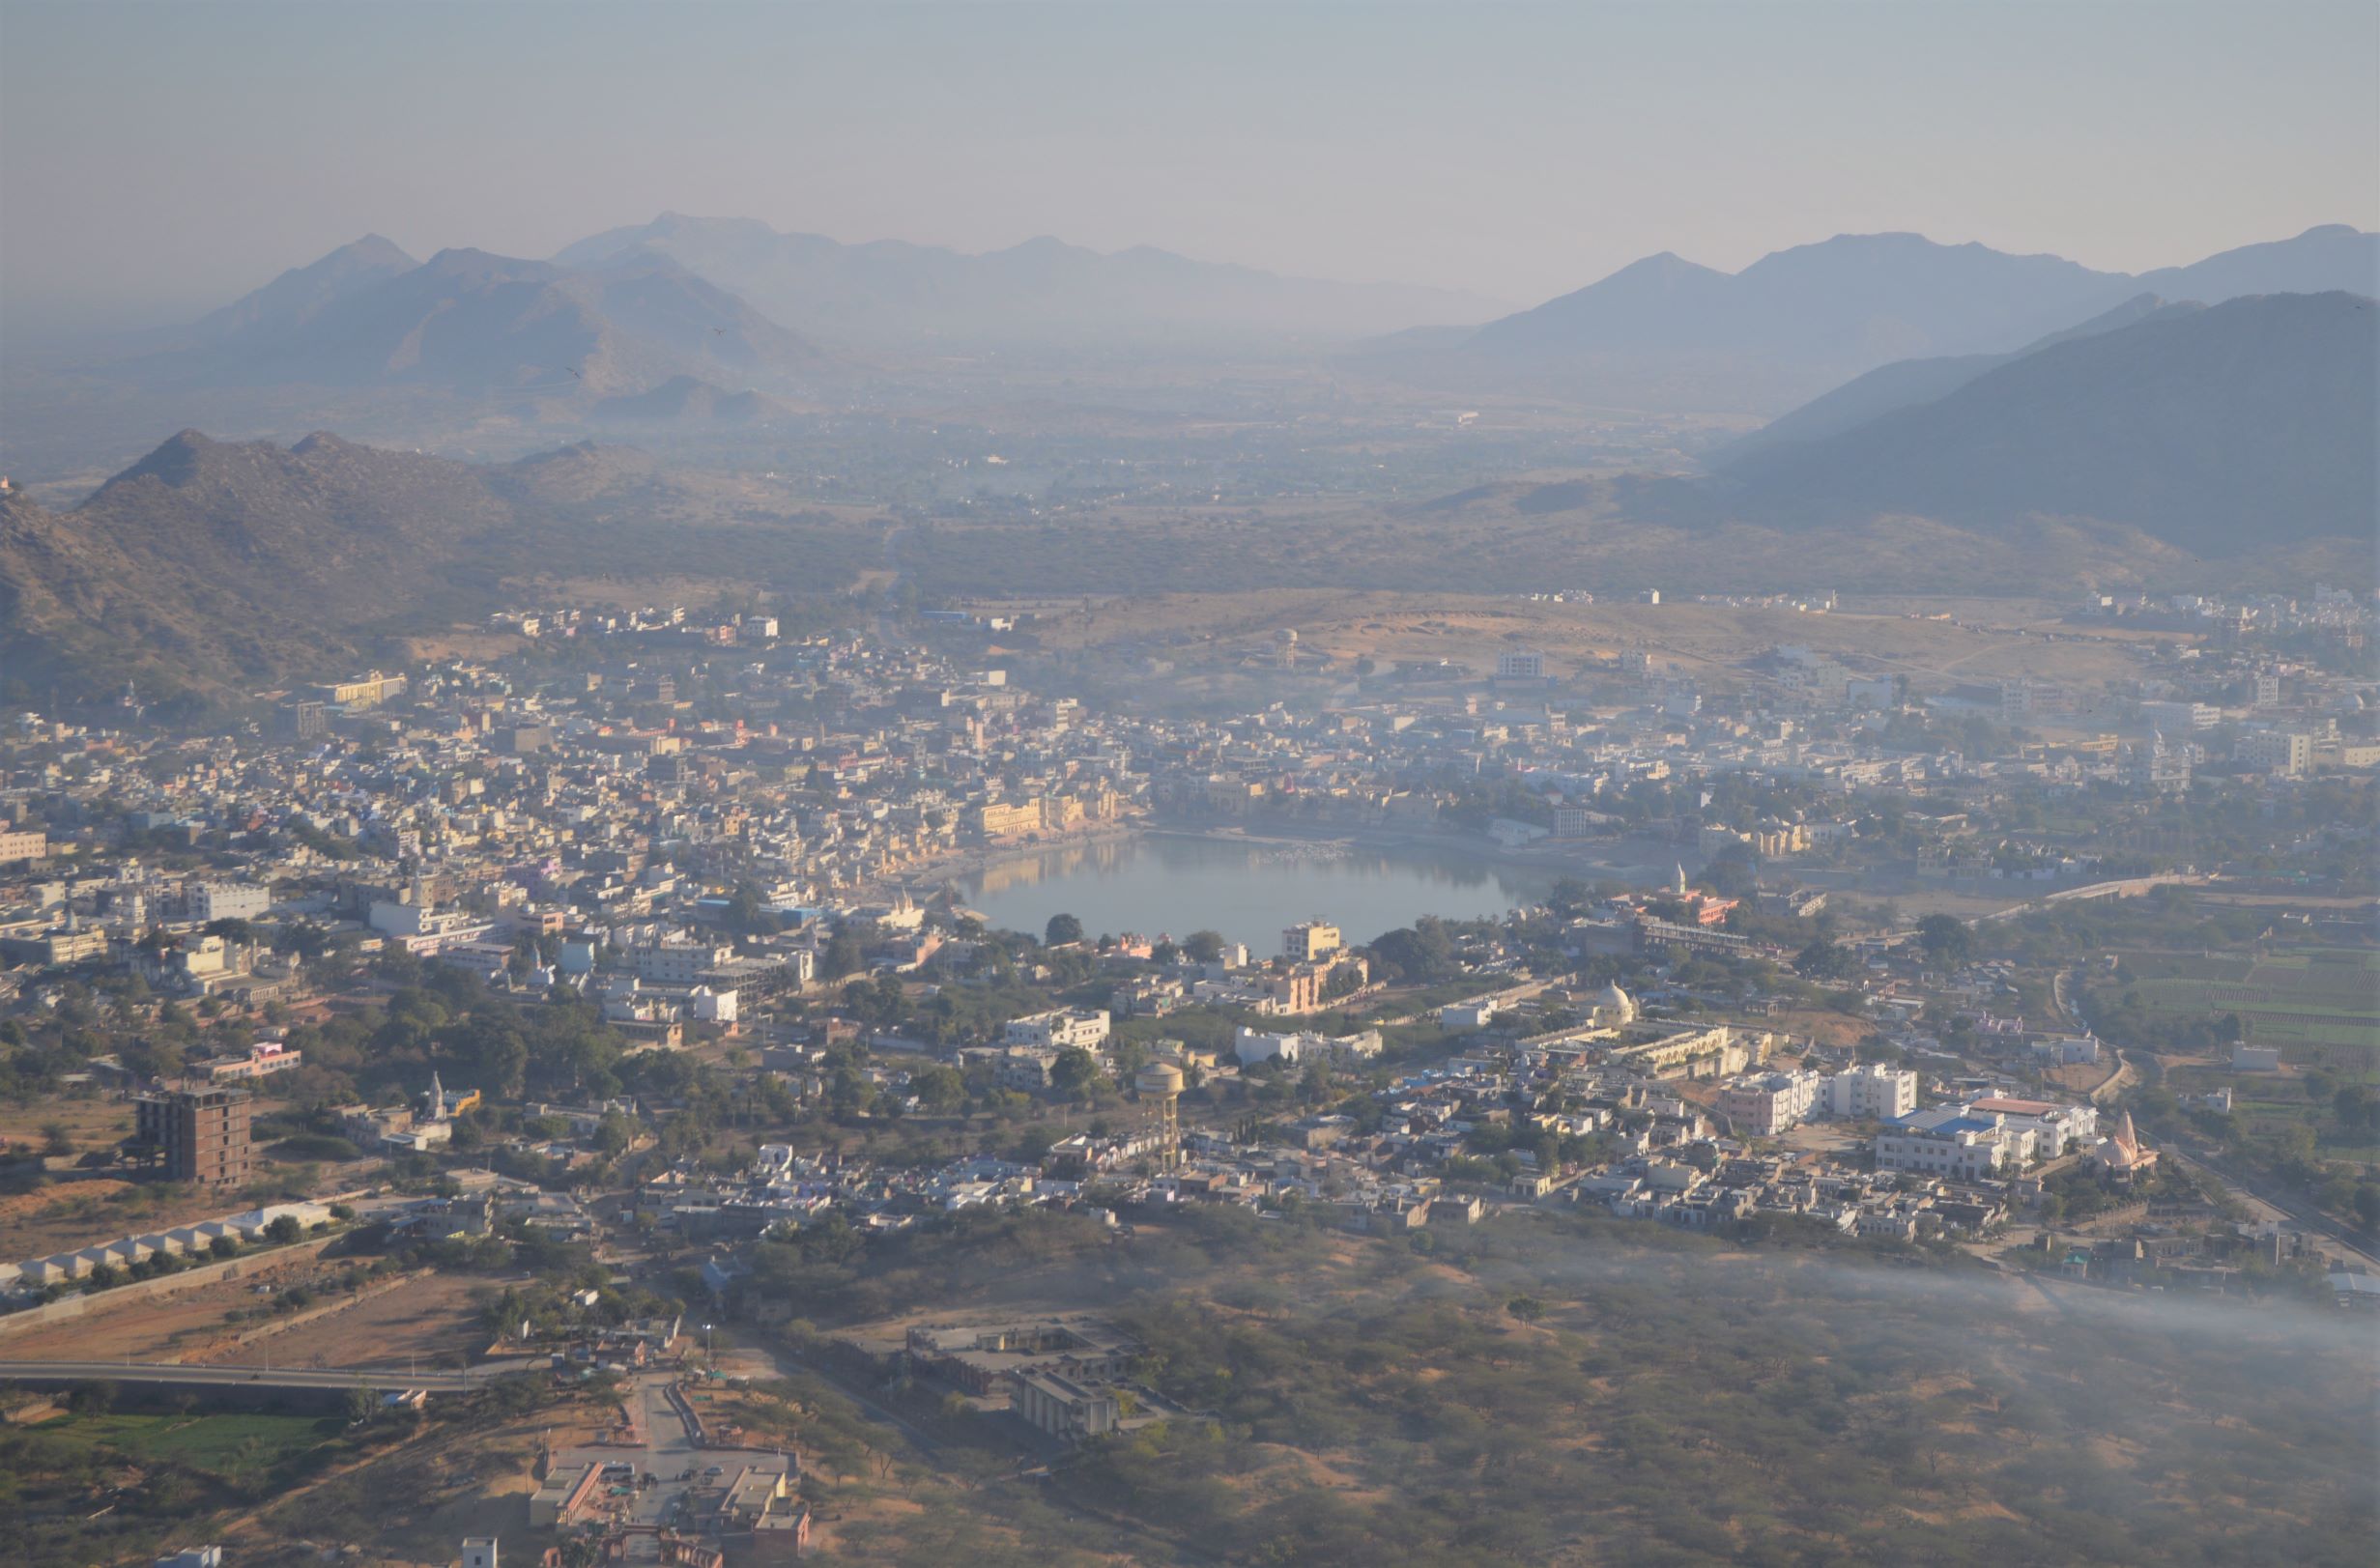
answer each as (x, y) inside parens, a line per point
(545, 1019)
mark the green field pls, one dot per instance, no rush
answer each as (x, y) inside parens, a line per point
(2320, 1006)
(106, 1486)
(238, 1447)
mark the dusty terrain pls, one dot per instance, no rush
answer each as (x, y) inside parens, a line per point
(432, 1317)
(1987, 641)
(75, 1214)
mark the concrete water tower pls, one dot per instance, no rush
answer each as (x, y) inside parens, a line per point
(1161, 1081)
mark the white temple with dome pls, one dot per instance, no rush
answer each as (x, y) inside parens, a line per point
(1614, 1008)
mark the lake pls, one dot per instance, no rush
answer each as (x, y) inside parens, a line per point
(1250, 892)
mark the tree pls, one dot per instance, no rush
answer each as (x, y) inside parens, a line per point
(362, 1405)
(939, 1088)
(1074, 1069)
(844, 955)
(1823, 960)
(1422, 952)
(1063, 929)
(1945, 939)
(1734, 871)
(1203, 947)
(1527, 1309)
(285, 1228)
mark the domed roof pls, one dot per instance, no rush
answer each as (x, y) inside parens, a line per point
(1618, 1000)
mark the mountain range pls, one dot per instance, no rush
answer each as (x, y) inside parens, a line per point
(708, 325)
(2242, 426)
(1667, 332)
(2165, 440)
(466, 320)
(889, 293)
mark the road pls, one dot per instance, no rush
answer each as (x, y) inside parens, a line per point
(2288, 1205)
(2122, 1078)
(1510, 994)
(240, 1377)
(1156, 1547)
(667, 1454)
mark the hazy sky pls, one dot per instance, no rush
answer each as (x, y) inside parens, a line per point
(162, 159)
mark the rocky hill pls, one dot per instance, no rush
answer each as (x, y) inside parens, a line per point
(2242, 427)
(217, 568)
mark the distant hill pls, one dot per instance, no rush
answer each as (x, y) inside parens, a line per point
(466, 321)
(1908, 382)
(2240, 427)
(217, 567)
(2333, 256)
(303, 293)
(888, 292)
(1667, 332)
(228, 561)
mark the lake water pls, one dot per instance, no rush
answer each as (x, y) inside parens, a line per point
(1250, 892)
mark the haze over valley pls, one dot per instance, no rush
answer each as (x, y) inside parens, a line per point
(2136, 427)
(1000, 783)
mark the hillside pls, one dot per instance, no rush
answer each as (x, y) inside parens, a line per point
(689, 402)
(2236, 428)
(211, 561)
(303, 293)
(1665, 332)
(889, 292)
(214, 567)
(1905, 384)
(470, 321)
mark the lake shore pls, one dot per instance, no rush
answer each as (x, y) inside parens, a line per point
(1570, 857)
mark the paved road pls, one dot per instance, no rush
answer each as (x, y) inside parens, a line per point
(167, 1373)
(2297, 1209)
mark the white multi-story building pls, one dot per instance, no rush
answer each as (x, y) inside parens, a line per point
(1955, 1141)
(2180, 717)
(1768, 1103)
(2055, 1127)
(1257, 1046)
(675, 962)
(1872, 1090)
(1254, 1045)
(226, 900)
(1083, 1027)
(2068, 1050)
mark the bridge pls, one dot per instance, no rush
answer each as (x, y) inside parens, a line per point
(321, 1380)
